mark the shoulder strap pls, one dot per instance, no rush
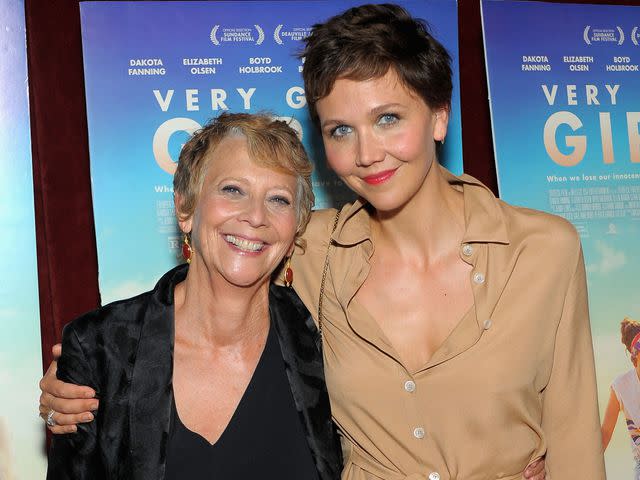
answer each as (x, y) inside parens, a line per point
(324, 272)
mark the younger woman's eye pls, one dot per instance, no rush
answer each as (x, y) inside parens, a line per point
(387, 119)
(340, 131)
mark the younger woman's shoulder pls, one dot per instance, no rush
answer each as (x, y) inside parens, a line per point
(320, 224)
(527, 223)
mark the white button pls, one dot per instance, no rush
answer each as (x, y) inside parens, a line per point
(434, 476)
(478, 277)
(487, 324)
(418, 432)
(409, 386)
(467, 250)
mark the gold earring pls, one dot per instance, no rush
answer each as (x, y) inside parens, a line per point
(288, 273)
(187, 250)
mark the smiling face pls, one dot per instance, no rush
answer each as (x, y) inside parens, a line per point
(244, 221)
(379, 137)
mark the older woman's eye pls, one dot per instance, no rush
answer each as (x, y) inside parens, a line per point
(280, 200)
(388, 119)
(231, 190)
(340, 131)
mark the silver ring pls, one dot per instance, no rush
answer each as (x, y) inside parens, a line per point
(51, 422)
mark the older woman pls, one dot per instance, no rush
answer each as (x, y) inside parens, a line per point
(213, 373)
(455, 327)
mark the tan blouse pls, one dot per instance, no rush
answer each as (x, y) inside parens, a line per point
(515, 379)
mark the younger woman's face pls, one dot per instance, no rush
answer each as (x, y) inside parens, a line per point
(380, 137)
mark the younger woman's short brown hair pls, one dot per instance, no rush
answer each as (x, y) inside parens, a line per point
(364, 42)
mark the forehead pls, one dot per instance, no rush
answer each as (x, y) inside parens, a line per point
(231, 158)
(351, 96)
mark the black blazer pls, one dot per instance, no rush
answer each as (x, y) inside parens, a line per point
(124, 351)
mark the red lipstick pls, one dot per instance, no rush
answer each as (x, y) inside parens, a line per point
(380, 177)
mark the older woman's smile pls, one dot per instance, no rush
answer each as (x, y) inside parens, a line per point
(244, 244)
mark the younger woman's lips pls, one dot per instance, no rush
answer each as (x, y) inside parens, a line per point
(379, 178)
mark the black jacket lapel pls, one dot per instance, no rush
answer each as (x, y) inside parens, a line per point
(299, 337)
(151, 384)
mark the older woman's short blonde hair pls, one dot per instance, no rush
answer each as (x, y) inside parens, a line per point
(271, 143)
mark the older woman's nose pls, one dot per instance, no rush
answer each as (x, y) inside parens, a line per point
(370, 150)
(254, 212)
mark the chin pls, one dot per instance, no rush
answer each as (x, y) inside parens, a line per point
(388, 201)
(237, 279)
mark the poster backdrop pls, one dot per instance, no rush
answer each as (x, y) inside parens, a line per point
(565, 104)
(21, 447)
(156, 71)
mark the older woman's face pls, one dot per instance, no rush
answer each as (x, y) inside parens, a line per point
(245, 219)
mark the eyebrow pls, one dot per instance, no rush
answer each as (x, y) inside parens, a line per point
(244, 180)
(374, 112)
(384, 108)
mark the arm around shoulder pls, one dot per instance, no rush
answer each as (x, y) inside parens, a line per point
(75, 455)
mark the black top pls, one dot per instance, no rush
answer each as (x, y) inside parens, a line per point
(264, 438)
(124, 351)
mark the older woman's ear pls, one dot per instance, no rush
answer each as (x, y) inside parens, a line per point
(184, 220)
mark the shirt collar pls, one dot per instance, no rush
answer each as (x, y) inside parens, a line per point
(484, 220)
(483, 216)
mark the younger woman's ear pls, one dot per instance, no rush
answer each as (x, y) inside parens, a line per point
(441, 124)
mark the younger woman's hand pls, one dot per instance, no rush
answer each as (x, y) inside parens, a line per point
(71, 404)
(535, 470)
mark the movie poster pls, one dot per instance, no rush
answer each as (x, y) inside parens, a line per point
(156, 71)
(21, 439)
(565, 104)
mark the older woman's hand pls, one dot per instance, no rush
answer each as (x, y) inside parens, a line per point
(71, 404)
(535, 470)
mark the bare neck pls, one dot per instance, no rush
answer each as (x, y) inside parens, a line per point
(429, 226)
(211, 312)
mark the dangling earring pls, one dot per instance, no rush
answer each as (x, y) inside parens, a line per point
(288, 273)
(442, 142)
(187, 251)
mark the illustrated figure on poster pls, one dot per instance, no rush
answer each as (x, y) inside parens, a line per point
(446, 314)
(625, 394)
